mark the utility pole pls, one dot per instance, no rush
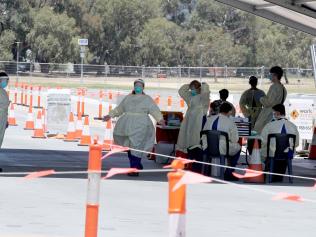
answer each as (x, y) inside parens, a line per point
(17, 60)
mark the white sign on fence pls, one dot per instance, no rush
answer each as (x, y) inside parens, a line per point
(301, 113)
(83, 42)
(58, 110)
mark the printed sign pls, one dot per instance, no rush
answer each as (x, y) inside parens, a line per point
(301, 113)
(83, 42)
(58, 110)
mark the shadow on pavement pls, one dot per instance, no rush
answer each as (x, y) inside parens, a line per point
(25, 160)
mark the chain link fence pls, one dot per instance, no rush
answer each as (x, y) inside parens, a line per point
(90, 70)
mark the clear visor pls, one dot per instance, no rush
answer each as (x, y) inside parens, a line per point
(4, 78)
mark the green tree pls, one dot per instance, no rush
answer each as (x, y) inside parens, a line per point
(159, 43)
(121, 22)
(240, 25)
(53, 37)
(217, 49)
(7, 39)
(279, 45)
(177, 11)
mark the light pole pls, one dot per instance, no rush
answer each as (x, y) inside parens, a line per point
(82, 43)
(17, 60)
(200, 47)
(82, 54)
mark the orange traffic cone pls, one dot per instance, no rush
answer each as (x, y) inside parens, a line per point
(110, 107)
(181, 103)
(25, 95)
(108, 136)
(110, 95)
(78, 102)
(22, 95)
(177, 201)
(78, 127)
(11, 118)
(29, 125)
(82, 106)
(16, 94)
(85, 137)
(255, 163)
(169, 102)
(100, 116)
(157, 100)
(31, 96)
(44, 120)
(71, 131)
(312, 147)
(39, 130)
(39, 89)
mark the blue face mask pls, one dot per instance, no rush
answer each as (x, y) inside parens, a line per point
(193, 92)
(138, 90)
(4, 84)
(270, 77)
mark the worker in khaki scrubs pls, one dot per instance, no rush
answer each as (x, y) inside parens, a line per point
(249, 102)
(197, 98)
(134, 127)
(4, 104)
(279, 125)
(222, 122)
(276, 95)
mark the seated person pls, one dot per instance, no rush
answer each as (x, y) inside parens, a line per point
(222, 122)
(214, 107)
(279, 124)
(223, 95)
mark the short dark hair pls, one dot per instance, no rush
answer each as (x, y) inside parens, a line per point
(279, 108)
(140, 81)
(253, 80)
(225, 108)
(278, 71)
(223, 94)
(196, 84)
(3, 74)
(214, 105)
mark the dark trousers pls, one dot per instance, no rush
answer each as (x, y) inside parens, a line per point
(196, 154)
(279, 167)
(232, 161)
(135, 162)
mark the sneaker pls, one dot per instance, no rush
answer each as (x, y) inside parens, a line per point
(230, 178)
(134, 174)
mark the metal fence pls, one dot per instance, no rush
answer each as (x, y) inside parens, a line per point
(90, 70)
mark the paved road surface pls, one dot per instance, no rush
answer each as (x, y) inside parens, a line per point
(51, 207)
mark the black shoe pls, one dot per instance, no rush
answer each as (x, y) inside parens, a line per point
(1, 170)
(134, 174)
(230, 178)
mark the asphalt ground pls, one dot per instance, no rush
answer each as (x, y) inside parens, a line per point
(55, 206)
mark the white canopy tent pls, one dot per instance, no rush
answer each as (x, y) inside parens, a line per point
(297, 14)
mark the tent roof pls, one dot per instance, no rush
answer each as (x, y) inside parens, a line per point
(297, 14)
